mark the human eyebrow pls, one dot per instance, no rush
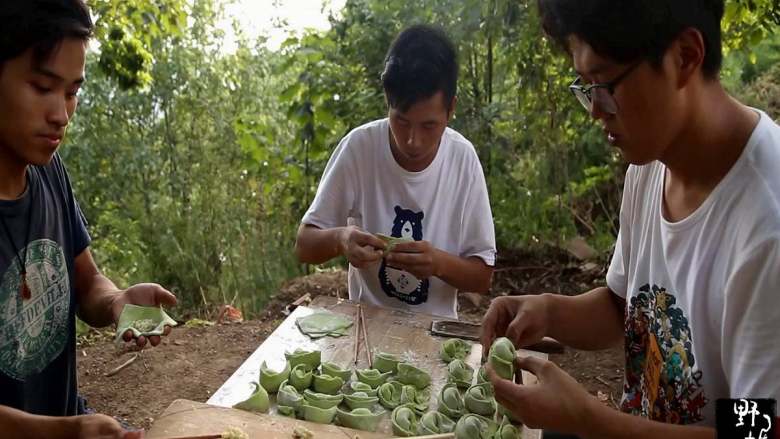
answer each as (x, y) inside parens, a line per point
(51, 75)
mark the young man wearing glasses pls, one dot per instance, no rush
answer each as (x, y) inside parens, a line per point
(692, 288)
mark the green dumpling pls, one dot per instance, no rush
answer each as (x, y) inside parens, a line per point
(257, 402)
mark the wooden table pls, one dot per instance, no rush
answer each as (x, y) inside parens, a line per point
(392, 331)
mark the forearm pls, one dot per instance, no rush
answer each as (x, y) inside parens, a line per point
(465, 274)
(96, 305)
(606, 423)
(21, 425)
(316, 246)
(590, 321)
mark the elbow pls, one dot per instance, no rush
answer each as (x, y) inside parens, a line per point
(485, 282)
(300, 251)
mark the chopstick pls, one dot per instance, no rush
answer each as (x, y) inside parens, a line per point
(357, 333)
(205, 436)
(365, 338)
(435, 436)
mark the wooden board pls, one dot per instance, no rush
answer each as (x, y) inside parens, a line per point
(389, 330)
(189, 418)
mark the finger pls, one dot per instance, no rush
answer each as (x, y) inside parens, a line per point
(154, 340)
(140, 341)
(128, 335)
(509, 394)
(167, 330)
(409, 247)
(367, 254)
(405, 258)
(368, 239)
(516, 331)
(164, 297)
(492, 325)
(532, 364)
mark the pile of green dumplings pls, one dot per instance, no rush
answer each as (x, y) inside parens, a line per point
(323, 392)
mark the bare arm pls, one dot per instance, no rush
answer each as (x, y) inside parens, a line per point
(466, 274)
(607, 423)
(96, 293)
(18, 424)
(316, 246)
(100, 302)
(590, 321)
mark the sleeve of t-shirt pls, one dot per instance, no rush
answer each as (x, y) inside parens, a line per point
(478, 236)
(617, 280)
(78, 222)
(336, 193)
(751, 312)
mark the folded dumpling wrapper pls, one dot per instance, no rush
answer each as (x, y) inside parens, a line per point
(143, 320)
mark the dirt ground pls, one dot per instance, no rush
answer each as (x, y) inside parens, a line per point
(193, 362)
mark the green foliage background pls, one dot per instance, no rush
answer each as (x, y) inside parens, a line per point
(195, 166)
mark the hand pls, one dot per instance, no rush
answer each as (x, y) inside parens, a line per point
(360, 248)
(144, 295)
(558, 402)
(419, 258)
(524, 320)
(103, 427)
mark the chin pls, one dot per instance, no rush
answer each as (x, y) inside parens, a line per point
(41, 158)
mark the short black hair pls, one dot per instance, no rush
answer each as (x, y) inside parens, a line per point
(421, 62)
(41, 25)
(634, 30)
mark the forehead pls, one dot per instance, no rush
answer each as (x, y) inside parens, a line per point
(586, 61)
(65, 62)
(425, 109)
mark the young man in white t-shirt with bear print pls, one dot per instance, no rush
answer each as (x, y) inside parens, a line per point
(407, 176)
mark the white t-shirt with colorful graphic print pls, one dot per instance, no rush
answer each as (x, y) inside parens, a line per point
(703, 294)
(446, 204)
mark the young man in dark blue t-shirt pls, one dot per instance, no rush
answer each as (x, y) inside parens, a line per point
(47, 273)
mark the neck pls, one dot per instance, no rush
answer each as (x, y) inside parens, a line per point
(410, 165)
(13, 174)
(712, 139)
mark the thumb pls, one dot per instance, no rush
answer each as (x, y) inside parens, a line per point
(530, 363)
(164, 297)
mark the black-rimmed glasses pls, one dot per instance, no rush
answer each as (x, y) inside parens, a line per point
(601, 94)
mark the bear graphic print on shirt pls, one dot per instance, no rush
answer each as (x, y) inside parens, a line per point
(398, 283)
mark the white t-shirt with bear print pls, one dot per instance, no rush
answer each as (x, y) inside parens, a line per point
(703, 294)
(446, 204)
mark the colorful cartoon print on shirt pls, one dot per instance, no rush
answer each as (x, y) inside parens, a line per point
(662, 381)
